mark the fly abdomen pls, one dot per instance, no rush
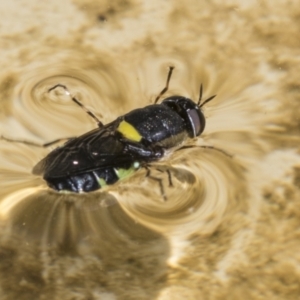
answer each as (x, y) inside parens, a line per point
(90, 181)
(78, 183)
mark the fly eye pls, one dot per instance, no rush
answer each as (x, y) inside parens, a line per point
(197, 121)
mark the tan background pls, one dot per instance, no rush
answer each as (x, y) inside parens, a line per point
(230, 227)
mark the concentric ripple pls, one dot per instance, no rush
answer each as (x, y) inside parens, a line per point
(201, 194)
(189, 191)
(46, 114)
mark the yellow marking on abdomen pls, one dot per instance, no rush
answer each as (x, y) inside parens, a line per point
(129, 132)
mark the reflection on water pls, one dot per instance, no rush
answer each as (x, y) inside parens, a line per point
(74, 235)
(224, 219)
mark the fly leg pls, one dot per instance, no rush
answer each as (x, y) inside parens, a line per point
(33, 143)
(100, 124)
(159, 180)
(206, 147)
(169, 176)
(167, 84)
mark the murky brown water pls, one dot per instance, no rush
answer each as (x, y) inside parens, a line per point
(229, 228)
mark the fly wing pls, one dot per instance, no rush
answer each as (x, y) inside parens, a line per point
(97, 149)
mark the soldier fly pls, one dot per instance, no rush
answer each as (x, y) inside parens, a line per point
(113, 151)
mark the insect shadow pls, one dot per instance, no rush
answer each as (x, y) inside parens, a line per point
(115, 150)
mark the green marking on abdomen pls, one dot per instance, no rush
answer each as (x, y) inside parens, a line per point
(100, 181)
(123, 173)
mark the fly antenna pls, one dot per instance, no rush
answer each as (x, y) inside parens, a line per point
(200, 97)
(100, 124)
(171, 68)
